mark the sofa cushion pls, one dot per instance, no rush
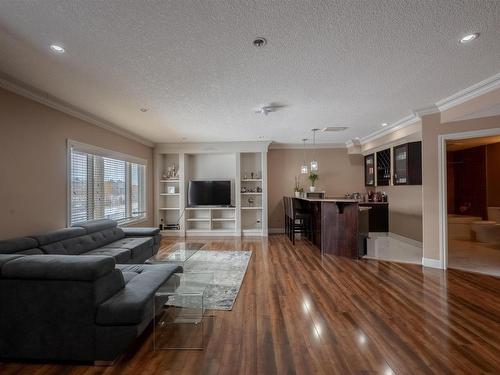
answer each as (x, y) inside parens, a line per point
(140, 232)
(4, 258)
(58, 267)
(127, 276)
(139, 246)
(132, 304)
(59, 235)
(120, 255)
(97, 225)
(25, 245)
(83, 244)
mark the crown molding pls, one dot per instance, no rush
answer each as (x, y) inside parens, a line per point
(469, 93)
(36, 95)
(212, 147)
(400, 124)
(291, 146)
(425, 111)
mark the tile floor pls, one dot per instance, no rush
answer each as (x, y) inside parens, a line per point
(474, 256)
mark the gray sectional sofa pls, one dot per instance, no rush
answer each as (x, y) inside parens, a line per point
(75, 294)
(95, 237)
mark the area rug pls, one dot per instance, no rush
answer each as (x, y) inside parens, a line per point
(228, 267)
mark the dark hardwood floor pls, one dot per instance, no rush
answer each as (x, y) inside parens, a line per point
(298, 313)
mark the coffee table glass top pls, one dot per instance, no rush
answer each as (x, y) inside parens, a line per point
(179, 253)
(186, 284)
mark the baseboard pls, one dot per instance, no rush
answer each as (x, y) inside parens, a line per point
(432, 263)
(276, 230)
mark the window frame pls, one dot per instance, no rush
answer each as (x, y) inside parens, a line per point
(102, 152)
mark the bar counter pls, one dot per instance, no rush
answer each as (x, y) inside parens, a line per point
(340, 225)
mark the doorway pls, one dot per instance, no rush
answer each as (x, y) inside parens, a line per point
(473, 204)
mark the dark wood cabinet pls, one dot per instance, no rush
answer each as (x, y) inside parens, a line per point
(370, 170)
(384, 167)
(408, 164)
(378, 216)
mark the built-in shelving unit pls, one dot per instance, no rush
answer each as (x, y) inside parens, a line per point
(168, 197)
(243, 163)
(252, 192)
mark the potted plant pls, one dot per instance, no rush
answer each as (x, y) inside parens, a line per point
(312, 177)
(297, 189)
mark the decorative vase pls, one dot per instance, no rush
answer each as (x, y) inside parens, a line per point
(312, 188)
(297, 194)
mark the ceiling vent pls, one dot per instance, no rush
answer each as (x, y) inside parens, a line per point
(266, 109)
(334, 129)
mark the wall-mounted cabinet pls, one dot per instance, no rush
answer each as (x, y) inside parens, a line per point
(384, 167)
(370, 170)
(401, 165)
(408, 164)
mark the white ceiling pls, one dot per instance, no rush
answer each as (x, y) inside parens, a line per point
(333, 63)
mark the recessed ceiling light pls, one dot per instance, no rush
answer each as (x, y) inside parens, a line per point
(469, 38)
(57, 48)
(357, 138)
(259, 42)
(384, 124)
(144, 109)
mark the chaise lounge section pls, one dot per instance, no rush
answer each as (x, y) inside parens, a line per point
(74, 307)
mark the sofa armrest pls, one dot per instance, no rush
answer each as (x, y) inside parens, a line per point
(59, 267)
(140, 231)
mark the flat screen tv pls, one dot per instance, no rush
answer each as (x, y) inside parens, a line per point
(209, 193)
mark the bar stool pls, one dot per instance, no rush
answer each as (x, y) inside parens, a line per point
(300, 220)
(286, 212)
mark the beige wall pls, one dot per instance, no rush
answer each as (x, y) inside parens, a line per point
(339, 173)
(405, 210)
(33, 166)
(431, 128)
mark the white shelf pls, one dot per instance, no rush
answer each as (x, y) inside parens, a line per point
(169, 181)
(198, 219)
(210, 208)
(169, 194)
(251, 208)
(223, 219)
(169, 208)
(251, 193)
(252, 180)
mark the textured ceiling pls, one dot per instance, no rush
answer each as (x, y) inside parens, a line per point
(333, 63)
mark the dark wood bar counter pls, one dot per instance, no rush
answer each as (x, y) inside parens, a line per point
(340, 226)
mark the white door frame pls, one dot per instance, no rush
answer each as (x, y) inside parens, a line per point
(443, 195)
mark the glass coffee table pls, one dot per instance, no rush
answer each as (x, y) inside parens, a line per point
(179, 324)
(178, 254)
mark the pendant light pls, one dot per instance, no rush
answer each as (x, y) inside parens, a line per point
(303, 168)
(314, 162)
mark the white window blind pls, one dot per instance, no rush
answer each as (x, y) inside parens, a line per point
(105, 187)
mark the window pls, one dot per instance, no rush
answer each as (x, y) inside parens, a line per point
(105, 184)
